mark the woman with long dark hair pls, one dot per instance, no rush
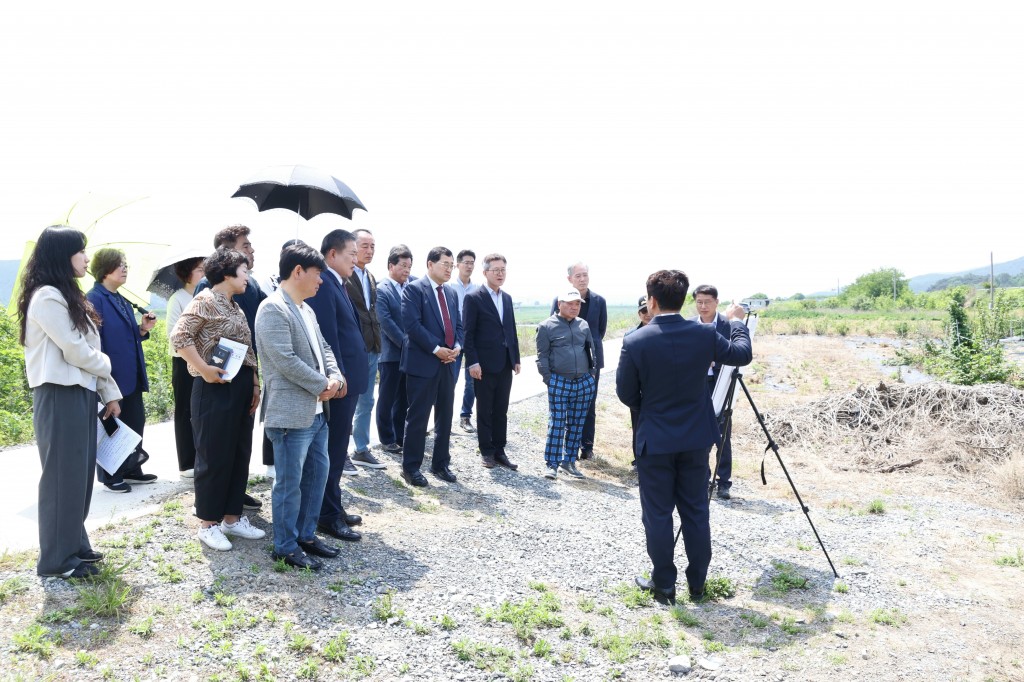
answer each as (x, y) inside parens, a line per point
(66, 370)
(121, 339)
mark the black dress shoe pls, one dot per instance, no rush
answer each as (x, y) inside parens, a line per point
(250, 502)
(352, 519)
(502, 459)
(415, 478)
(660, 595)
(317, 547)
(91, 556)
(339, 530)
(445, 474)
(299, 560)
(489, 462)
(570, 468)
(587, 453)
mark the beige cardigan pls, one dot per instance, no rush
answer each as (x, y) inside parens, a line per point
(57, 353)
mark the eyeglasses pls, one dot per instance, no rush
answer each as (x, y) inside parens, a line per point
(467, 262)
(123, 266)
(446, 266)
(498, 271)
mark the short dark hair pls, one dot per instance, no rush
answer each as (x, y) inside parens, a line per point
(436, 253)
(104, 262)
(465, 252)
(707, 290)
(490, 258)
(223, 263)
(303, 255)
(336, 239)
(668, 287)
(229, 236)
(398, 253)
(183, 268)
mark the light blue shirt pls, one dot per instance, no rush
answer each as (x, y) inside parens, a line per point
(461, 290)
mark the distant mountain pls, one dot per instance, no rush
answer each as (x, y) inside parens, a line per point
(8, 273)
(924, 282)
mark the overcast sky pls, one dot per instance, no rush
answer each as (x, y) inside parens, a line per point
(775, 147)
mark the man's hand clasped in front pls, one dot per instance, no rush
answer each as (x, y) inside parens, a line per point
(447, 355)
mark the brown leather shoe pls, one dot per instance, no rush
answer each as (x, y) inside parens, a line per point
(489, 462)
(502, 459)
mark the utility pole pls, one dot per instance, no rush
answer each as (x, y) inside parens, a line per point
(991, 281)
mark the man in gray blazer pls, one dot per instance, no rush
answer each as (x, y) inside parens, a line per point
(301, 375)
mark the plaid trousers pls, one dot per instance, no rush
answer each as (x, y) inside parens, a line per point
(568, 402)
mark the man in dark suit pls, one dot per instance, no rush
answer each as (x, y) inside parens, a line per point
(595, 311)
(362, 289)
(392, 402)
(340, 326)
(433, 341)
(662, 373)
(492, 356)
(706, 298)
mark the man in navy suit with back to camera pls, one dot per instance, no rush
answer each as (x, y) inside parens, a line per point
(339, 323)
(433, 341)
(705, 297)
(662, 373)
(492, 356)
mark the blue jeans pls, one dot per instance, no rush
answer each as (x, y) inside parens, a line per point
(469, 394)
(364, 408)
(300, 458)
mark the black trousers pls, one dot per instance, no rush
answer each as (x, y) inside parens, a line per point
(223, 435)
(64, 418)
(339, 429)
(181, 385)
(676, 481)
(587, 442)
(492, 395)
(392, 404)
(133, 414)
(429, 393)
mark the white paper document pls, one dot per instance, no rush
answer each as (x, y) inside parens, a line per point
(232, 363)
(111, 451)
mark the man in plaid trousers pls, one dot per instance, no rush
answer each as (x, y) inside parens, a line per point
(565, 358)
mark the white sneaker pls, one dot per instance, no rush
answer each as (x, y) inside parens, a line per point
(242, 529)
(187, 473)
(271, 471)
(213, 538)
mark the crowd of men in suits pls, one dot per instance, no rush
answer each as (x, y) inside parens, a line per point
(328, 327)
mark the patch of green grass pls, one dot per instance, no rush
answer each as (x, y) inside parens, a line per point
(803, 546)
(384, 608)
(713, 646)
(168, 572)
(336, 650)
(280, 566)
(446, 622)
(224, 600)
(845, 616)
(718, 588)
(566, 633)
(15, 561)
(484, 656)
(841, 587)
(427, 507)
(586, 629)
(300, 641)
(787, 578)
(890, 617)
(837, 659)
(541, 648)
(363, 666)
(619, 647)
(538, 586)
(755, 619)
(585, 604)
(142, 628)
(684, 617)
(634, 597)
(421, 628)
(876, 506)
(606, 611)
(309, 670)
(64, 615)
(526, 616)
(35, 639)
(11, 587)
(852, 561)
(790, 626)
(107, 595)
(1016, 560)
(86, 659)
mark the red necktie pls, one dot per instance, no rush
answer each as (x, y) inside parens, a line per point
(449, 330)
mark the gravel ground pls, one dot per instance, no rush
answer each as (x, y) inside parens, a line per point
(920, 597)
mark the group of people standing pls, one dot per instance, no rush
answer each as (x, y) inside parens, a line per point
(319, 330)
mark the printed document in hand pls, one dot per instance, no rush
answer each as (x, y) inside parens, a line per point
(112, 450)
(229, 356)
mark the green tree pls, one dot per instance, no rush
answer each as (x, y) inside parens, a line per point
(877, 284)
(758, 295)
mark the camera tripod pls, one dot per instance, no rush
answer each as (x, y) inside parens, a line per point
(725, 423)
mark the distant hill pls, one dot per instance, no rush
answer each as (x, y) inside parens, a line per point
(8, 273)
(925, 282)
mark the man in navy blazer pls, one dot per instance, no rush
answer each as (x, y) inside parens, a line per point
(433, 341)
(705, 297)
(392, 402)
(492, 356)
(340, 326)
(662, 373)
(594, 310)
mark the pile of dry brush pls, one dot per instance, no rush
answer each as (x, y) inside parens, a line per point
(889, 427)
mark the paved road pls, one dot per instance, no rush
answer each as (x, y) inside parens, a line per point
(18, 488)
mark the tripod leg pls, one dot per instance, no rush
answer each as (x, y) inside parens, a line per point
(774, 447)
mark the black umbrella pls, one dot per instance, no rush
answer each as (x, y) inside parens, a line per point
(307, 191)
(164, 282)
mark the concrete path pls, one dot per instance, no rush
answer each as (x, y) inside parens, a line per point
(19, 488)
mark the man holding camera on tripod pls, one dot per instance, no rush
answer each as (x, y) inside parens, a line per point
(662, 373)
